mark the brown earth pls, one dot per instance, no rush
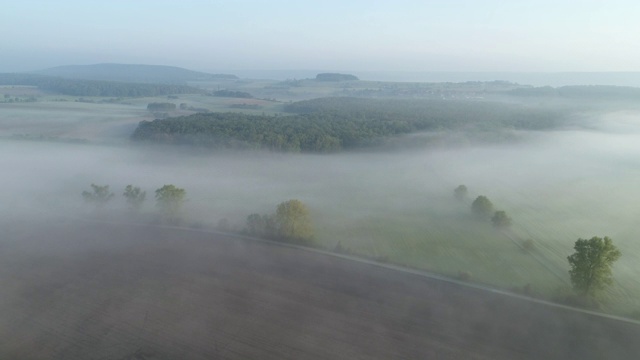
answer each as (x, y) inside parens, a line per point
(78, 290)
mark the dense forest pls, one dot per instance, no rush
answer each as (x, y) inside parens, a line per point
(423, 114)
(334, 124)
(76, 87)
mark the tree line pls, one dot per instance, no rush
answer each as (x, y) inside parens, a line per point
(77, 87)
(291, 221)
(169, 198)
(336, 77)
(335, 124)
(409, 115)
(590, 265)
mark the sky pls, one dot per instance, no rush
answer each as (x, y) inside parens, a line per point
(333, 35)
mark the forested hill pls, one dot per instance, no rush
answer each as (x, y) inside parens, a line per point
(336, 77)
(133, 73)
(434, 114)
(334, 124)
(76, 87)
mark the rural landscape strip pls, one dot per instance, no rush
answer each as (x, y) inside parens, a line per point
(397, 268)
(536, 258)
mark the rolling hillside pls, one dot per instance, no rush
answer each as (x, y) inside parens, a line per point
(133, 73)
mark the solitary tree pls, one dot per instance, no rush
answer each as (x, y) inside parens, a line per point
(99, 195)
(170, 200)
(460, 192)
(591, 265)
(293, 222)
(500, 219)
(135, 197)
(482, 207)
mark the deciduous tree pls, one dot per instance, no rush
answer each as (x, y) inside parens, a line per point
(293, 222)
(591, 265)
(500, 219)
(169, 200)
(460, 192)
(99, 195)
(482, 207)
(135, 197)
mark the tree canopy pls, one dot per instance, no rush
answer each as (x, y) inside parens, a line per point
(78, 87)
(500, 219)
(591, 265)
(290, 223)
(170, 199)
(293, 222)
(135, 197)
(334, 124)
(482, 207)
(99, 195)
(461, 192)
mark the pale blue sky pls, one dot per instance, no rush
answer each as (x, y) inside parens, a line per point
(406, 35)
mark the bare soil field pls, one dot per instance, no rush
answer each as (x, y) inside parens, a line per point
(81, 290)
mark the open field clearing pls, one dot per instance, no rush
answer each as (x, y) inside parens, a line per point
(70, 120)
(94, 121)
(78, 290)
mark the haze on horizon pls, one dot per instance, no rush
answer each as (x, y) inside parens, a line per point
(406, 35)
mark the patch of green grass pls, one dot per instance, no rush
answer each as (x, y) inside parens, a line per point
(446, 244)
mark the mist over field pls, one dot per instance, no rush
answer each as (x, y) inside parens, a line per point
(565, 161)
(323, 180)
(556, 185)
(375, 166)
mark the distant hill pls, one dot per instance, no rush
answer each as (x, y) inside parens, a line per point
(585, 92)
(81, 87)
(336, 77)
(132, 73)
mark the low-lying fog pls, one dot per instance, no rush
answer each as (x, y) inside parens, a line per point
(557, 186)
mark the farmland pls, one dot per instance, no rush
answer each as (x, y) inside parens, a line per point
(74, 289)
(395, 205)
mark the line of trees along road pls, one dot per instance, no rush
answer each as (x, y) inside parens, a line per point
(590, 265)
(169, 199)
(76, 87)
(291, 221)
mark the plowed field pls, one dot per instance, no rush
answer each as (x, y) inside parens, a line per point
(78, 290)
